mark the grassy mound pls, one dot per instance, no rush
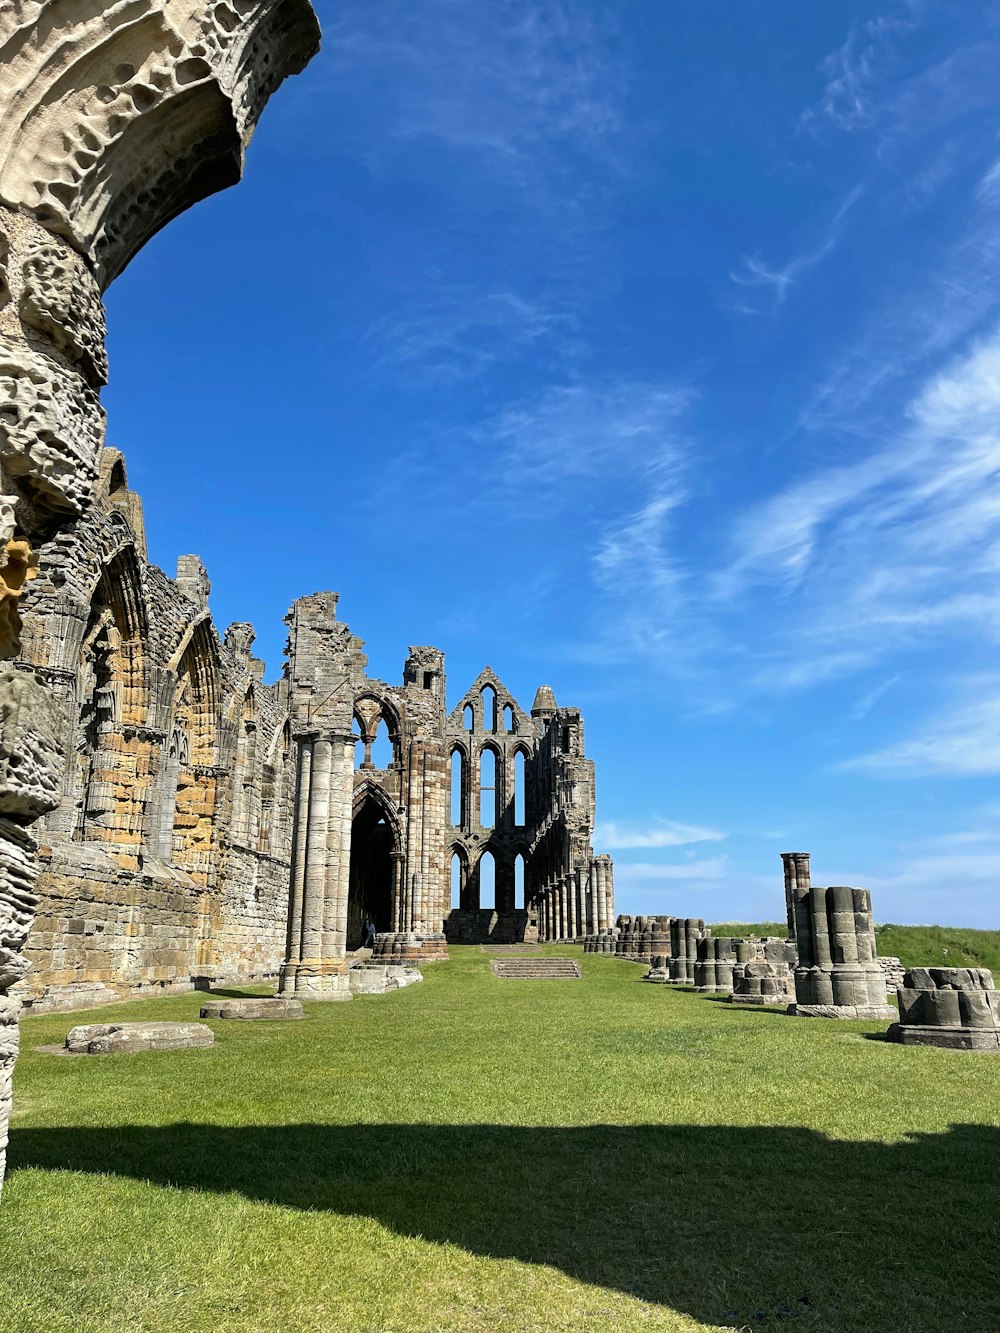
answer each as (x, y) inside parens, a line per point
(915, 946)
(476, 1154)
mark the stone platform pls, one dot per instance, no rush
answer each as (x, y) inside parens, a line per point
(254, 1009)
(536, 969)
(121, 1038)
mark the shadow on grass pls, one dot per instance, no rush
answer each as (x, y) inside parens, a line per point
(737, 1226)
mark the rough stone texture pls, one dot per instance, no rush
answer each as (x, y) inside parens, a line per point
(721, 962)
(128, 1038)
(166, 862)
(763, 982)
(372, 979)
(954, 1007)
(113, 119)
(838, 975)
(893, 971)
(251, 1010)
(797, 874)
(603, 941)
(379, 842)
(536, 969)
(641, 938)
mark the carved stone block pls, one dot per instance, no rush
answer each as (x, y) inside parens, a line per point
(61, 300)
(127, 1038)
(51, 430)
(954, 1007)
(31, 756)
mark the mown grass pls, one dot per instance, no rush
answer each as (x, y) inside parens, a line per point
(475, 1154)
(915, 946)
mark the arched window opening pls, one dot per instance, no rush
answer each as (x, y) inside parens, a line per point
(359, 747)
(456, 882)
(565, 740)
(519, 881)
(382, 748)
(117, 487)
(487, 882)
(508, 719)
(519, 812)
(488, 789)
(469, 718)
(457, 788)
(489, 708)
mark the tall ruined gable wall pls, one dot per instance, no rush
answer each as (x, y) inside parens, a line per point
(119, 913)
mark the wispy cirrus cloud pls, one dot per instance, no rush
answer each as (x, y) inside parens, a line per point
(593, 431)
(659, 833)
(961, 741)
(636, 873)
(778, 280)
(903, 540)
(451, 334)
(505, 84)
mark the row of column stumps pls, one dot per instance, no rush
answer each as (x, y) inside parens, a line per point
(579, 904)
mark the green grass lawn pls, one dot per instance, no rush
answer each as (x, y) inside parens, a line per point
(475, 1154)
(915, 946)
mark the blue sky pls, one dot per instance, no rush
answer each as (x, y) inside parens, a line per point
(650, 350)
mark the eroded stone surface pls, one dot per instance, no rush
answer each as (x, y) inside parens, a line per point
(128, 1038)
(252, 1009)
(838, 975)
(954, 1007)
(373, 980)
(113, 119)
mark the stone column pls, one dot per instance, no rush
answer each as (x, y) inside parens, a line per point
(796, 868)
(600, 894)
(838, 975)
(316, 964)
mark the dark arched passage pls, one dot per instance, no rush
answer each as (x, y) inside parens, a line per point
(373, 844)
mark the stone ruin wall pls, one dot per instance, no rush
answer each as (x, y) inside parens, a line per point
(166, 861)
(113, 120)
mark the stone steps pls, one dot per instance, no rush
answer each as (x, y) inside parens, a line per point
(536, 969)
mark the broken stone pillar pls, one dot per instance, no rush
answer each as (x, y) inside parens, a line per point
(796, 867)
(838, 975)
(685, 932)
(716, 960)
(763, 983)
(113, 120)
(316, 963)
(954, 1007)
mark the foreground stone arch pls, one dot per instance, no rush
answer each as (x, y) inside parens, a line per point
(114, 119)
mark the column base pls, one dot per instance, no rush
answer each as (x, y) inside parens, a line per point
(308, 980)
(866, 1012)
(950, 1038)
(400, 948)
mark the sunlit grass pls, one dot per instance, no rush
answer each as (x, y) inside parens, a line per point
(476, 1154)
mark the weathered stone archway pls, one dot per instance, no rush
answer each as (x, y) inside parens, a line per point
(113, 120)
(375, 863)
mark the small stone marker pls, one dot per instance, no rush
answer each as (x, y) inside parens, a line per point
(374, 980)
(273, 1007)
(118, 1038)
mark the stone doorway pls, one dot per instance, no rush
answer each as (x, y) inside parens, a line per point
(373, 843)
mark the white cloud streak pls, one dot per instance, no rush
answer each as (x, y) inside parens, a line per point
(661, 833)
(963, 741)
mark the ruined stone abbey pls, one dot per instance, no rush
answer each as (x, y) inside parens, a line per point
(211, 827)
(167, 818)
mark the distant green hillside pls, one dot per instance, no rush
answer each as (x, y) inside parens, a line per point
(916, 946)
